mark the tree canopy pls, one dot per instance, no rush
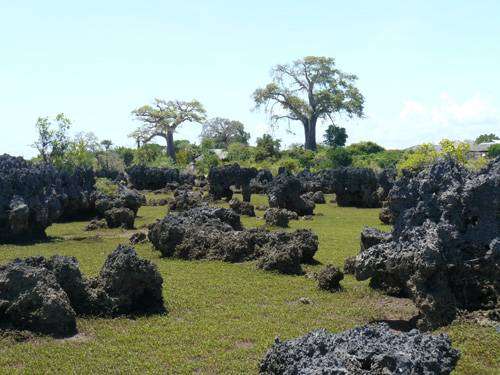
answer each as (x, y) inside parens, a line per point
(162, 118)
(308, 90)
(223, 132)
(53, 139)
(486, 138)
(335, 136)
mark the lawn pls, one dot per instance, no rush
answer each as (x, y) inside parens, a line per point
(221, 317)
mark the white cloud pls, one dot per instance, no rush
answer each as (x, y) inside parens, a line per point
(449, 112)
(411, 108)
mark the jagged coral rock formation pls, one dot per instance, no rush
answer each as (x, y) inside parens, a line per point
(372, 349)
(445, 246)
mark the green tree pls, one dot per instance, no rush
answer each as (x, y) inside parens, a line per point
(335, 136)
(53, 139)
(224, 132)
(106, 143)
(267, 147)
(486, 138)
(162, 119)
(308, 90)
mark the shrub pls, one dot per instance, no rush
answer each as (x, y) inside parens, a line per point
(106, 186)
(339, 157)
(494, 151)
(364, 148)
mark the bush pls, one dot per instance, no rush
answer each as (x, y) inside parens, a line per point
(426, 154)
(237, 152)
(494, 151)
(339, 157)
(290, 164)
(106, 186)
(418, 159)
(364, 148)
(208, 159)
(379, 160)
(305, 158)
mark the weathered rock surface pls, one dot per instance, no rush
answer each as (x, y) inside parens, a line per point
(374, 349)
(45, 295)
(133, 284)
(217, 234)
(277, 217)
(96, 224)
(242, 208)
(259, 184)
(32, 299)
(32, 197)
(285, 192)
(355, 187)
(329, 278)
(184, 199)
(221, 179)
(142, 177)
(316, 197)
(120, 217)
(445, 247)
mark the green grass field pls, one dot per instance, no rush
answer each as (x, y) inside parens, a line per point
(221, 317)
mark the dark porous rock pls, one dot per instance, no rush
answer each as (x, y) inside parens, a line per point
(372, 236)
(329, 278)
(445, 247)
(349, 265)
(137, 238)
(354, 187)
(386, 179)
(216, 234)
(157, 202)
(317, 197)
(142, 177)
(133, 284)
(285, 192)
(259, 184)
(96, 224)
(310, 181)
(31, 299)
(221, 179)
(124, 198)
(184, 199)
(242, 208)
(45, 295)
(283, 259)
(120, 217)
(276, 217)
(33, 196)
(385, 214)
(168, 233)
(372, 349)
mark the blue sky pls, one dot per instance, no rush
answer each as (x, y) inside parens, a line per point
(428, 69)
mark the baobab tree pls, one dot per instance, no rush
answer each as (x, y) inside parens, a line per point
(162, 118)
(308, 90)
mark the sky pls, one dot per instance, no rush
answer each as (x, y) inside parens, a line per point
(427, 69)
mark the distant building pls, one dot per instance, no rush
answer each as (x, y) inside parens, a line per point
(475, 150)
(481, 149)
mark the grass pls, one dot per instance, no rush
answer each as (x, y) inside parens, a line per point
(222, 317)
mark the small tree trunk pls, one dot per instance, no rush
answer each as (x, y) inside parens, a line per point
(170, 144)
(310, 135)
